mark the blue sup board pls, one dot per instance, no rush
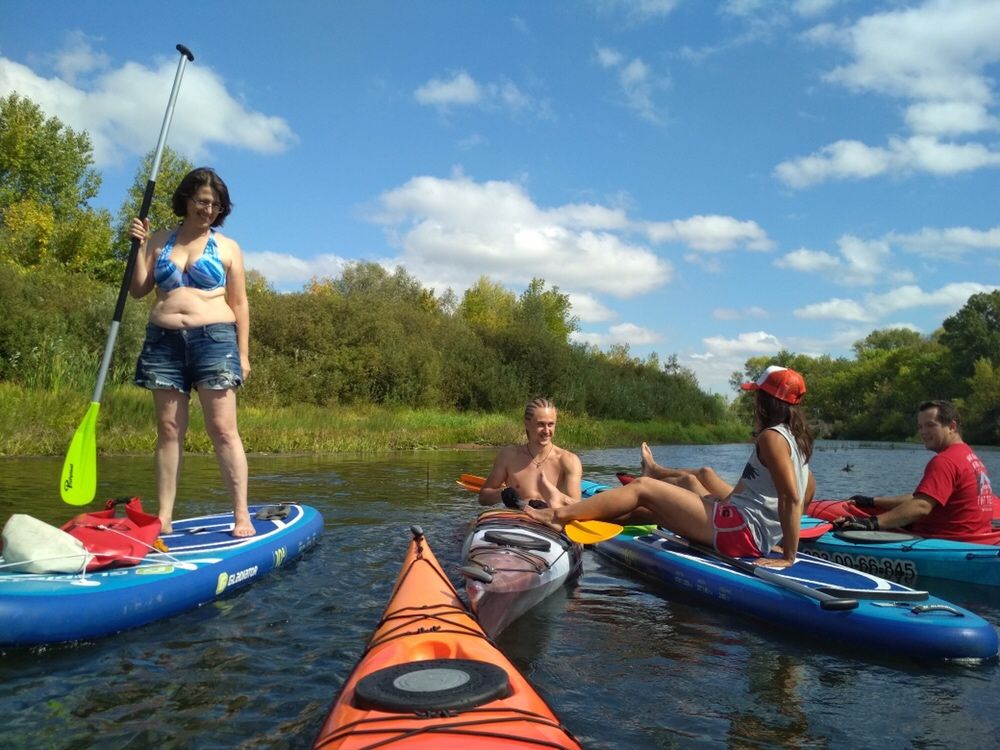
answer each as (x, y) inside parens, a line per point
(814, 596)
(905, 557)
(204, 562)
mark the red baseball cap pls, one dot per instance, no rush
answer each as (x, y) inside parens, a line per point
(782, 383)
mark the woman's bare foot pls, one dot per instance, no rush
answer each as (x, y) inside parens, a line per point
(552, 494)
(646, 461)
(544, 515)
(166, 527)
(243, 526)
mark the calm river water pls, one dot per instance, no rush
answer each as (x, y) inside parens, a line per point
(623, 664)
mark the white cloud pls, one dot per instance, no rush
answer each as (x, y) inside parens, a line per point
(728, 313)
(949, 299)
(935, 51)
(609, 58)
(949, 118)
(457, 229)
(934, 55)
(860, 262)
(640, 11)
(459, 89)
(78, 58)
(589, 309)
(289, 272)
(811, 8)
(948, 242)
(122, 108)
(624, 333)
(636, 82)
(710, 234)
(840, 160)
(745, 345)
(835, 309)
(724, 356)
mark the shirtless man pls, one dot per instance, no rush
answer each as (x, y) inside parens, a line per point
(519, 467)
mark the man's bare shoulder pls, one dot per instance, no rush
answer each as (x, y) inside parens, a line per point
(568, 458)
(510, 456)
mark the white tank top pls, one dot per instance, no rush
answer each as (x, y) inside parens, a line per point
(757, 497)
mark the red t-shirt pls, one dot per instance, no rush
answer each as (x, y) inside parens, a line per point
(957, 480)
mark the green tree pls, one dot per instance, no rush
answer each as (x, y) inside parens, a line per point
(981, 410)
(43, 160)
(548, 308)
(973, 333)
(487, 307)
(886, 339)
(46, 181)
(173, 167)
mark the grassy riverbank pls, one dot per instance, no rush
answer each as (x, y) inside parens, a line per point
(42, 422)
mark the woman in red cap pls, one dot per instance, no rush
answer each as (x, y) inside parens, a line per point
(761, 511)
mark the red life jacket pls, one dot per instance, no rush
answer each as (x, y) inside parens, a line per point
(115, 542)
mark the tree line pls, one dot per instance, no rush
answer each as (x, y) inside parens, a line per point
(377, 336)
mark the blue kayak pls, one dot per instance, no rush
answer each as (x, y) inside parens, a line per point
(203, 562)
(904, 557)
(814, 596)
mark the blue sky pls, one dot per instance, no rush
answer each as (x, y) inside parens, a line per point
(711, 180)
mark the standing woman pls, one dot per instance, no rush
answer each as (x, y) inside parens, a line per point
(198, 336)
(762, 510)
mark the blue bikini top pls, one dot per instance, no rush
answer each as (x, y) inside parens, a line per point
(205, 273)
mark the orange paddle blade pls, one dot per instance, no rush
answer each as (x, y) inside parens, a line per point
(472, 481)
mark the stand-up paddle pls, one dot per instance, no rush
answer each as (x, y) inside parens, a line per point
(78, 483)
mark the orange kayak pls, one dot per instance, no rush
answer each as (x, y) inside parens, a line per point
(430, 678)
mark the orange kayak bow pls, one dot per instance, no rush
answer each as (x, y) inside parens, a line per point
(430, 678)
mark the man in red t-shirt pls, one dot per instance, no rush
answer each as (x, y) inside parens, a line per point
(954, 499)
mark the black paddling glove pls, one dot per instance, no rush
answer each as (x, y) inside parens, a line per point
(863, 501)
(511, 499)
(852, 523)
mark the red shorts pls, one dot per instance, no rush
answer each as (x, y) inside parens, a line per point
(732, 535)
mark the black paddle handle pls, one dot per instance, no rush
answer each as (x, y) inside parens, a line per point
(147, 197)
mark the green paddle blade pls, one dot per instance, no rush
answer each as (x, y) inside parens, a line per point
(78, 484)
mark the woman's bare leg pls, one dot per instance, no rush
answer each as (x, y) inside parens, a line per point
(673, 507)
(220, 423)
(703, 482)
(171, 427)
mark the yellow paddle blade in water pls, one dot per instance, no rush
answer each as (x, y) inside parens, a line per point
(78, 484)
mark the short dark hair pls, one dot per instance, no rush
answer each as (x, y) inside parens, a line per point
(947, 412)
(198, 178)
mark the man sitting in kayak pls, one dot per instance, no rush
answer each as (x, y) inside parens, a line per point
(763, 509)
(518, 468)
(954, 499)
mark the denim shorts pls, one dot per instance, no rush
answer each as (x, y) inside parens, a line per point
(184, 358)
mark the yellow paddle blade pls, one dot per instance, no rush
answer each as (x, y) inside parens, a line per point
(592, 532)
(78, 483)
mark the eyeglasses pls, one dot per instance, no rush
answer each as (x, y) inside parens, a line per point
(207, 205)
